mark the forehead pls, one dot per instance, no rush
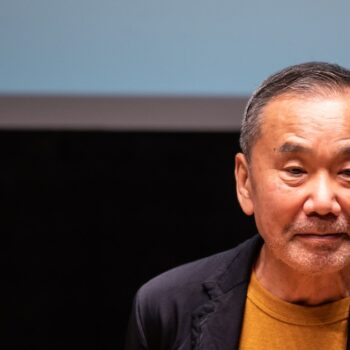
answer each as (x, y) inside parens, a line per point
(325, 118)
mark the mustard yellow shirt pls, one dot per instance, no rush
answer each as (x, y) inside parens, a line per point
(271, 323)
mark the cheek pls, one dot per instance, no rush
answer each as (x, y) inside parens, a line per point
(343, 198)
(275, 206)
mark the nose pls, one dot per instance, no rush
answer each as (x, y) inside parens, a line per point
(322, 199)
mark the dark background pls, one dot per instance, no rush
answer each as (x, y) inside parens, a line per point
(87, 217)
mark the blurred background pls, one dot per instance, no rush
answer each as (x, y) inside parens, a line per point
(119, 123)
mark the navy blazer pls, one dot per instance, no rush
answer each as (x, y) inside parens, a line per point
(196, 306)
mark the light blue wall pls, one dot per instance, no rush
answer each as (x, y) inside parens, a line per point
(217, 47)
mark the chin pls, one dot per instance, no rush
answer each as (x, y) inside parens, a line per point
(311, 259)
(316, 262)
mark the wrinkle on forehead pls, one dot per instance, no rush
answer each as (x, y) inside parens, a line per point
(293, 114)
(318, 123)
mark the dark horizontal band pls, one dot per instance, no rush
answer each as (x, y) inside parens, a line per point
(155, 113)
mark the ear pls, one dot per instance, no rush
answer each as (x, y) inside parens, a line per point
(243, 184)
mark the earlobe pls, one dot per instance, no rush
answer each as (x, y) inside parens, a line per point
(243, 184)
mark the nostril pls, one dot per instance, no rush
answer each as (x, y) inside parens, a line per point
(327, 217)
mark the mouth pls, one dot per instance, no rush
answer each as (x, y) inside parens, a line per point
(325, 235)
(322, 238)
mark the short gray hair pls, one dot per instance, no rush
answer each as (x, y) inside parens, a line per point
(305, 78)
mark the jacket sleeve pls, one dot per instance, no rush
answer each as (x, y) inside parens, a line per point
(135, 337)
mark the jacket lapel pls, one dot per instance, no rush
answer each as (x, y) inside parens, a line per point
(216, 325)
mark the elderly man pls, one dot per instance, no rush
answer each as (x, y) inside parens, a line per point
(289, 286)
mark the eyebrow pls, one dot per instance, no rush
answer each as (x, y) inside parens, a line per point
(289, 147)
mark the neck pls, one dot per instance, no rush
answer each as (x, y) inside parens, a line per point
(300, 288)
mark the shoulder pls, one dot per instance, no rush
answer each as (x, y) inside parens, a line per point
(163, 306)
(186, 277)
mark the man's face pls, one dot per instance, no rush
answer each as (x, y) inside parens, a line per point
(297, 183)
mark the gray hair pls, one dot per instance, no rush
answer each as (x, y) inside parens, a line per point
(306, 78)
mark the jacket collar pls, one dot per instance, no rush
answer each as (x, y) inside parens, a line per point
(217, 323)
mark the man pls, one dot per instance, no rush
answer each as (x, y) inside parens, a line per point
(288, 287)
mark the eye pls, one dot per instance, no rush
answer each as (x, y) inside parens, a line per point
(345, 173)
(296, 171)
